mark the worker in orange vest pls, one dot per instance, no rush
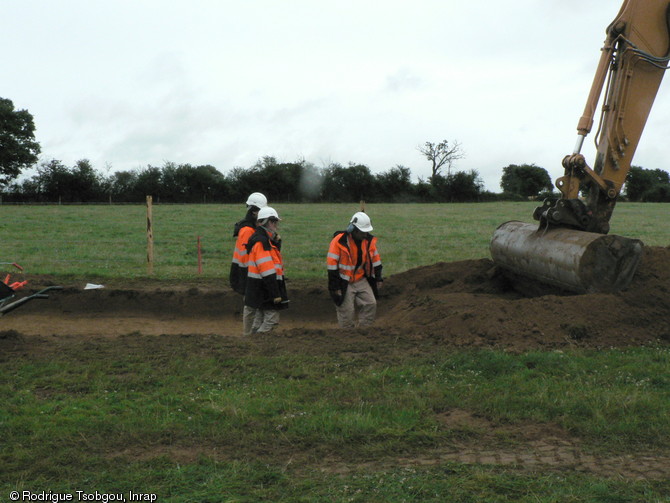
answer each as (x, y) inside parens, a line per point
(265, 294)
(242, 232)
(354, 272)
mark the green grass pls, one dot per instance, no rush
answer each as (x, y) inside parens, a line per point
(110, 241)
(258, 420)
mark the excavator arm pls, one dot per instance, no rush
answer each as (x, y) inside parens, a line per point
(633, 61)
(570, 248)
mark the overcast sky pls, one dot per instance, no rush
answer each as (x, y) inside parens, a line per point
(132, 83)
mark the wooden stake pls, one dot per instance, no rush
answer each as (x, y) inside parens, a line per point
(150, 236)
(362, 206)
(199, 257)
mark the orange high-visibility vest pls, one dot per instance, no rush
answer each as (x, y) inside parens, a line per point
(343, 257)
(238, 268)
(262, 263)
(240, 255)
(265, 276)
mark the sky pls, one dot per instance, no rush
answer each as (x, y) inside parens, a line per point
(132, 83)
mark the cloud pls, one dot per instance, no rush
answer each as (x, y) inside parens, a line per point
(403, 80)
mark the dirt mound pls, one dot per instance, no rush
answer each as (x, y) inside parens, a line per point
(469, 303)
(460, 303)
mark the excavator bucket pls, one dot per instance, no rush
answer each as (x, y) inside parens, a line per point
(571, 248)
(567, 259)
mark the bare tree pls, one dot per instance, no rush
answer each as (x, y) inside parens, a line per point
(441, 154)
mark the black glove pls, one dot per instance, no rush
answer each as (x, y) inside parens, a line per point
(337, 297)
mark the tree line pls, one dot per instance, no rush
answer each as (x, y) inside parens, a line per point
(648, 185)
(299, 181)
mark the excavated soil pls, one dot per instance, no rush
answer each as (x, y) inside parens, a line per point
(461, 305)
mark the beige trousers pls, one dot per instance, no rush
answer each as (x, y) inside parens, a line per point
(259, 321)
(359, 297)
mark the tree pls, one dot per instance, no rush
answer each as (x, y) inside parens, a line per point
(441, 154)
(150, 182)
(525, 180)
(56, 182)
(18, 148)
(53, 180)
(184, 183)
(347, 185)
(465, 186)
(86, 184)
(647, 184)
(282, 180)
(394, 185)
(457, 187)
(123, 187)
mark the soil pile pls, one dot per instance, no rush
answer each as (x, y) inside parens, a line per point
(469, 303)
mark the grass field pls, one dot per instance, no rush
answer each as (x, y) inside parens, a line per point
(111, 241)
(212, 419)
(221, 419)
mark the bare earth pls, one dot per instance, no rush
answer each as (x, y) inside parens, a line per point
(461, 304)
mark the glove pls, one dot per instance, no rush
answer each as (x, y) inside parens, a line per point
(337, 297)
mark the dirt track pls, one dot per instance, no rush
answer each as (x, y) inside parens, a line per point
(462, 304)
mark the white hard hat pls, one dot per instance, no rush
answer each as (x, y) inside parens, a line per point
(362, 221)
(258, 200)
(267, 212)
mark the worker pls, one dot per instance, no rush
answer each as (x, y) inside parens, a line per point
(265, 294)
(354, 272)
(243, 231)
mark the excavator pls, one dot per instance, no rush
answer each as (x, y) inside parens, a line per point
(570, 249)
